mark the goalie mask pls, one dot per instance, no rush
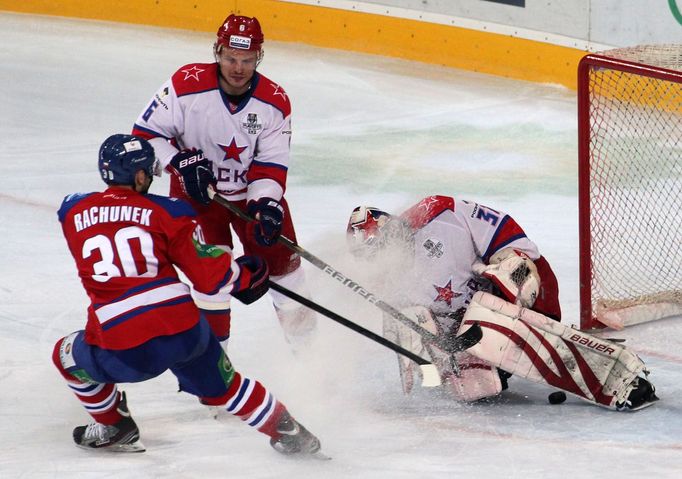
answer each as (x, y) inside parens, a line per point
(364, 232)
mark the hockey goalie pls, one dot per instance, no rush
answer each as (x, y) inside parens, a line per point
(458, 263)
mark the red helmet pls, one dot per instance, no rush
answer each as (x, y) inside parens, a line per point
(242, 33)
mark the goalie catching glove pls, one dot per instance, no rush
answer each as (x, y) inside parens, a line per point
(195, 173)
(515, 275)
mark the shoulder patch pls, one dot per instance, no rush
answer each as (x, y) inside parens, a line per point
(427, 209)
(69, 202)
(208, 250)
(271, 93)
(173, 206)
(195, 78)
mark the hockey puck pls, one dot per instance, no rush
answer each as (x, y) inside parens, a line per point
(557, 397)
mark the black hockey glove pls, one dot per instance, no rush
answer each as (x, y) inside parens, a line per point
(268, 214)
(253, 279)
(195, 173)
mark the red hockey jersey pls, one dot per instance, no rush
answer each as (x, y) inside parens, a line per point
(125, 245)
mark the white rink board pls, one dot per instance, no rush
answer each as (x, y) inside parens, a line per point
(616, 23)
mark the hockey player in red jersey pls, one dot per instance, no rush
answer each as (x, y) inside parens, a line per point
(226, 124)
(453, 255)
(142, 320)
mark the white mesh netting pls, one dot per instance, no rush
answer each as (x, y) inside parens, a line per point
(636, 181)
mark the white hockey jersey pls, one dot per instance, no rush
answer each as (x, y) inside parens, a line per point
(248, 144)
(450, 237)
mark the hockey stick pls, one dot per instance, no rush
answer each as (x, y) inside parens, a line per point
(430, 375)
(451, 344)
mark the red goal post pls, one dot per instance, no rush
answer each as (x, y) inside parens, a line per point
(630, 185)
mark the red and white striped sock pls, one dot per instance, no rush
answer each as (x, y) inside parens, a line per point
(250, 401)
(99, 400)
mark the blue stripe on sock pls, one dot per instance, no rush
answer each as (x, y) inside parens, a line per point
(263, 413)
(240, 394)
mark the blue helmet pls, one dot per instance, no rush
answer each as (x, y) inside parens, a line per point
(121, 156)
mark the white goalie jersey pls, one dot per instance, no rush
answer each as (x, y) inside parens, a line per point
(451, 239)
(454, 242)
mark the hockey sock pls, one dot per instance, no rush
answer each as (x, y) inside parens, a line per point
(249, 400)
(99, 400)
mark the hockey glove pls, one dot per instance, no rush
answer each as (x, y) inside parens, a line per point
(195, 173)
(515, 275)
(253, 279)
(268, 214)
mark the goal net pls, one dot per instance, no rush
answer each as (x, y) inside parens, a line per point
(630, 185)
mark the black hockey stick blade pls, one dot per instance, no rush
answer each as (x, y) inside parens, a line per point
(464, 341)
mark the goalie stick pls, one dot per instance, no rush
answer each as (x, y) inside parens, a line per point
(451, 344)
(430, 375)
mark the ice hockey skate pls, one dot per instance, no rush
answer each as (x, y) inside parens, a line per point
(299, 326)
(294, 439)
(124, 436)
(642, 396)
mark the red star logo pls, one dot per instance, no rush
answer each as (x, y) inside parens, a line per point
(370, 225)
(192, 73)
(445, 293)
(232, 151)
(428, 203)
(278, 91)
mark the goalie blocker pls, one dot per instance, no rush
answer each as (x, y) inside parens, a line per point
(530, 345)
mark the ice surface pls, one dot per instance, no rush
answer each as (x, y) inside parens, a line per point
(367, 130)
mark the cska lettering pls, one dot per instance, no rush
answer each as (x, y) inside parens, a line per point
(592, 344)
(228, 174)
(350, 283)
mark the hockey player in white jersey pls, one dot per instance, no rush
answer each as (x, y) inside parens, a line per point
(462, 263)
(227, 125)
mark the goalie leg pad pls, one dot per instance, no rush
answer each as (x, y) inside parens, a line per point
(405, 366)
(530, 345)
(411, 340)
(471, 380)
(476, 379)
